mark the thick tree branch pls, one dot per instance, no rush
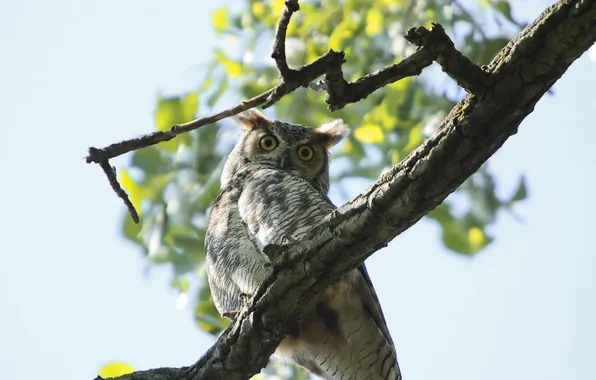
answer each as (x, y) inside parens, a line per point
(519, 76)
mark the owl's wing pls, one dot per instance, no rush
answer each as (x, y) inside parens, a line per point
(235, 267)
(371, 302)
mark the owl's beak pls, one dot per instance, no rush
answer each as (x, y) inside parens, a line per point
(284, 163)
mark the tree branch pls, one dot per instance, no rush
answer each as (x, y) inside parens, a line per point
(434, 45)
(279, 43)
(110, 172)
(476, 127)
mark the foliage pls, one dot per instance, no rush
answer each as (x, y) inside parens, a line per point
(115, 369)
(174, 183)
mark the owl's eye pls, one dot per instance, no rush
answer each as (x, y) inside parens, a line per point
(306, 153)
(268, 142)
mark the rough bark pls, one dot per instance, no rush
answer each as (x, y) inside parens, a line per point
(518, 77)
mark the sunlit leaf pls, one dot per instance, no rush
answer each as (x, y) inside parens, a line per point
(166, 115)
(258, 9)
(189, 106)
(395, 156)
(277, 6)
(374, 22)
(233, 69)
(135, 192)
(115, 369)
(476, 239)
(457, 233)
(219, 19)
(370, 134)
(344, 31)
(415, 138)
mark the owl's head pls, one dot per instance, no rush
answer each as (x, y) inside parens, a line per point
(284, 146)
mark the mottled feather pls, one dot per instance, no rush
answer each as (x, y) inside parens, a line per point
(272, 196)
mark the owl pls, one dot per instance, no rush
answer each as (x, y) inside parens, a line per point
(273, 191)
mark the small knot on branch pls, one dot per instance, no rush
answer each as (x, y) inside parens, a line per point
(95, 155)
(292, 5)
(420, 36)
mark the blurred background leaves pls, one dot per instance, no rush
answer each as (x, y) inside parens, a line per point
(173, 184)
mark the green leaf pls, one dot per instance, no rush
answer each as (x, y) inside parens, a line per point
(505, 9)
(342, 34)
(151, 160)
(415, 138)
(522, 191)
(222, 86)
(130, 229)
(175, 110)
(483, 54)
(463, 235)
(189, 105)
(181, 283)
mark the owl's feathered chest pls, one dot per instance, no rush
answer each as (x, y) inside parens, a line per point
(257, 208)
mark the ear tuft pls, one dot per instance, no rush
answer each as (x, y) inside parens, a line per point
(334, 131)
(252, 118)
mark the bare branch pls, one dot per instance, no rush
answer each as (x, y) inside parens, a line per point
(467, 74)
(110, 172)
(434, 45)
(279, 43)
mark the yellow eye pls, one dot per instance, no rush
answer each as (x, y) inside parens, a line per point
(306, 153)
(268, 143)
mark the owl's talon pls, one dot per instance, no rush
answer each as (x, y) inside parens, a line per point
(230, 314)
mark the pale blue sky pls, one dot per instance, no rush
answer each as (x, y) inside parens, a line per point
(72, 292)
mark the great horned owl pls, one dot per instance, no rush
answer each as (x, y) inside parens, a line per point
(273, 191)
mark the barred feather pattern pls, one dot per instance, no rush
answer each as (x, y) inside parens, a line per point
(344, 334)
